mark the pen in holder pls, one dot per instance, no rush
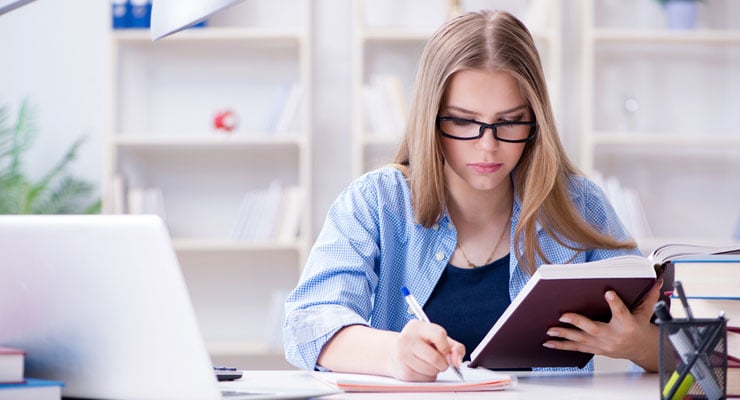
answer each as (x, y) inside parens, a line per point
(693, 358)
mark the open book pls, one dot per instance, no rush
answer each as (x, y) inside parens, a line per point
(447, 381)
(515, 340)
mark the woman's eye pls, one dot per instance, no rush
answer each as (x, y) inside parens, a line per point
(512, 119)
(461, 122)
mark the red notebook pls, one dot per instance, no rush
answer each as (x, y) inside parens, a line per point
(11, 365)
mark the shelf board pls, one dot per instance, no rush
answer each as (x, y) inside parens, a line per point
(242, 349)
(659, 35)
(219, 245)
(390, 34)
(210, 34)
(206, 142)
(666, 139)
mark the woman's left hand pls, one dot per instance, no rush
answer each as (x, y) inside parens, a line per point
(628, 335)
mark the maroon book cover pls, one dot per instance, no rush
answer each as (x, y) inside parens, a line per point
(518, 341)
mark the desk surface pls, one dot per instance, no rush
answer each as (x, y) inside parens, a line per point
(634, 386)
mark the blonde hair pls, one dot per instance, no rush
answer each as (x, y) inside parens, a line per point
(496, 40)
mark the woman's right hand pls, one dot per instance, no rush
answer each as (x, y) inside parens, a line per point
(422, 350)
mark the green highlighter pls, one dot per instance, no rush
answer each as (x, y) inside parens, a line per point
(683, 388)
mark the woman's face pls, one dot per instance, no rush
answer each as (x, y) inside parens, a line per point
(490, 97)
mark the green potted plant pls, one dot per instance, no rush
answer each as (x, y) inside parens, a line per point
(680, 14)
(56, 192)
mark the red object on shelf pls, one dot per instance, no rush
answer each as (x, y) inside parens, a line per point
(225, 120)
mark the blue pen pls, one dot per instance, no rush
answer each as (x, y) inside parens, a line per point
(420, 315)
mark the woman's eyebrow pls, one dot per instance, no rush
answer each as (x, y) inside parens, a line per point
(476, 114)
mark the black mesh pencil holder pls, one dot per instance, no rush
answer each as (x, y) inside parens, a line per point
(693, 359)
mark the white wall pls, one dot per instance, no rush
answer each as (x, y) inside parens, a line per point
(53, 53)
(56, 52)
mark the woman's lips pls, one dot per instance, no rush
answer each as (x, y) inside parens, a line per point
(485, 168)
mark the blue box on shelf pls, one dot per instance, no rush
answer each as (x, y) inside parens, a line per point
(141, 13)
(120, 13)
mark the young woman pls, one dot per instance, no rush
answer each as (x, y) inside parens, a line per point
(482, 193)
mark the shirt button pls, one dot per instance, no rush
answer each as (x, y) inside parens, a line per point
(435, 227)
(450, 225)
(440, 256)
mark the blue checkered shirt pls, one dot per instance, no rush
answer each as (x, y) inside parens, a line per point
(370, 247)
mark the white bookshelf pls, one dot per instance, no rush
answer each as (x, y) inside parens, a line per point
(657, 113)
(162, 97)
(388, 39)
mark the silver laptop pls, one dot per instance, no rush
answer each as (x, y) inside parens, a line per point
(99, 302)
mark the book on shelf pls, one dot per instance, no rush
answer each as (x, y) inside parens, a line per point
(117, 193)
(392, 95)
(288, 122)
(372, 105)
(627, 204)
(282, 92)
(270, 213)
(385, 105)
(146, 201)
(273, 334)
(11, 364)
(515, 340)
(289, 224)
(31, 389)
(475, 380)
(266, 212)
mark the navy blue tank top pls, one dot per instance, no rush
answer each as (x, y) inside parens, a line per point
(468, 301)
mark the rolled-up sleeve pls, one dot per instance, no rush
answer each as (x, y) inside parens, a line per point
(338, 282)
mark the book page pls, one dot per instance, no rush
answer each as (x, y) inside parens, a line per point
(616, 267)
(476, 379)
(672, 251)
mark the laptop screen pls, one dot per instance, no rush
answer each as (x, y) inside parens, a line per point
(99, 302)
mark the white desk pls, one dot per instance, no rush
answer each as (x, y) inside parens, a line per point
(601, 386)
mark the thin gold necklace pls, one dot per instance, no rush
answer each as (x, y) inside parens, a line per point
(490, 256)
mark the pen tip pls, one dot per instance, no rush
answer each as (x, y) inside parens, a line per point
(405, 292)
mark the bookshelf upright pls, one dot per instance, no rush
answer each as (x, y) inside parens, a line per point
(163, 97)
(657, 112)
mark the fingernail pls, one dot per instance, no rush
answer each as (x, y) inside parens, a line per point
(548, 345)
(565, 319)
(553, 332)
(610, 295)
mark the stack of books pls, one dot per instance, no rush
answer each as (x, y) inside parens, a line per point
(712, 285)
(711, 282)
(14, 385)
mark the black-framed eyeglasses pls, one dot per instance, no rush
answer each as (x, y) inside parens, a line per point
(469, 129)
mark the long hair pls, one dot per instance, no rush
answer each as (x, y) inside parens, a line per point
(496, 40)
